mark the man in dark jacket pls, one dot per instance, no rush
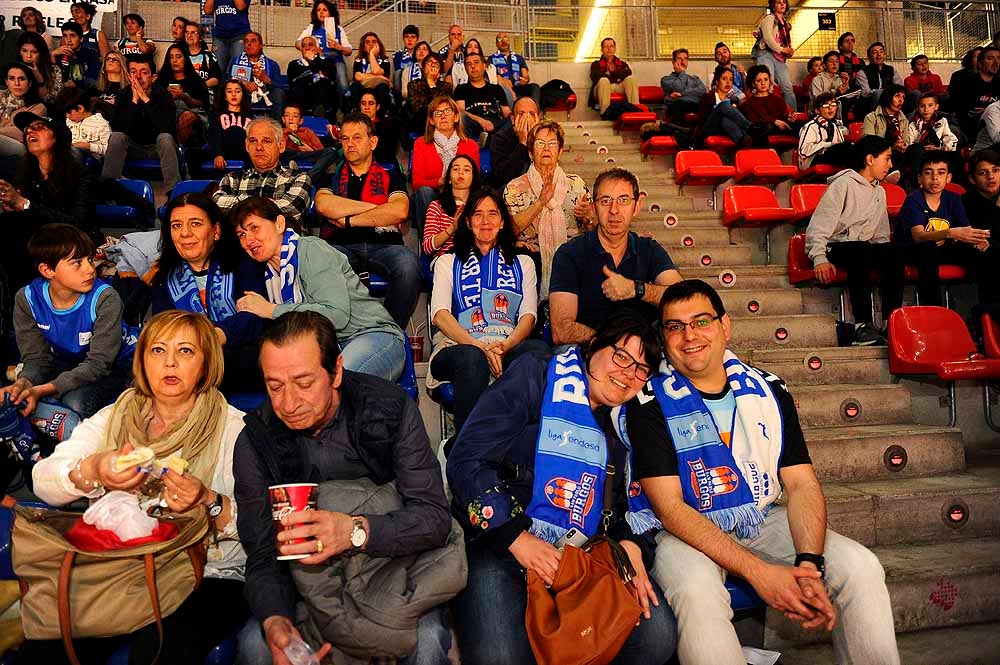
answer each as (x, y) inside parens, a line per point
(325, 423)
(509, 144)
(981, 206)
(144, 124)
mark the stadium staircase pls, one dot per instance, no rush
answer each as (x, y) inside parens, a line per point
(907, 490)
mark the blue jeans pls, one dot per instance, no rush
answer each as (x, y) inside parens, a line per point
(466, 367)
(779, 74)
(433, 642)
(725, 119)
(398, 265)
(343, 86)
(226, 50)
(491, 611)
(376, 353)
(91, 398)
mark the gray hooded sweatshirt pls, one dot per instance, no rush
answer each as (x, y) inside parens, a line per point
(851, 209)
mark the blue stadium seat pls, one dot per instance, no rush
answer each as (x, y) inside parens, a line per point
(317, 124)
(408, 379)
(231, 165)
(185, 187)
(150, 167)
(485, 162)
(246, 402)
(118, 214)
(377, 285)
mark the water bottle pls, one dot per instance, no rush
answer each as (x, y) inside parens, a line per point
(300, 653)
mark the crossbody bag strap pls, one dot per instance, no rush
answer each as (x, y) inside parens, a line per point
(608, 508)
(65, 624)
(150, 564)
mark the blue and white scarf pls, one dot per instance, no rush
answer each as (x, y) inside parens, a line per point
(183, 288)
(714, 477)
(282, 286)
(571, 459)
(486, 294)
(415, 71)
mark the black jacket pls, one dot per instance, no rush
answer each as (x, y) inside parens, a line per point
(144, 121)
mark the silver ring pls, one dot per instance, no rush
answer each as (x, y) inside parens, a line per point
(176, 497)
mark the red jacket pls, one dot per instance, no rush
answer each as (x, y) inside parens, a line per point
(427, 166)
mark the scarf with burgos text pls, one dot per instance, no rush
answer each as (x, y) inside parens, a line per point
(713, 475)
(571, 458)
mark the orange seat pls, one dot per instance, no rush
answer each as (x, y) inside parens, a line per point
(720, 144)
(762, 167)
(700, 167)
(800, 268)
(894, 198)
(854, 132)
(650, 94)
(804, 199)
(991, 336)
(935, 340)
(659, 145)
(753, 206)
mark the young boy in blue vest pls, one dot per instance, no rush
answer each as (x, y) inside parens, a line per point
(75, 350)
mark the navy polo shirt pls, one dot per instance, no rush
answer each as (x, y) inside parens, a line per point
(577, 268)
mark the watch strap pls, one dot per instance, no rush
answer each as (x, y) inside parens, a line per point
(640, 289)
(815, 559)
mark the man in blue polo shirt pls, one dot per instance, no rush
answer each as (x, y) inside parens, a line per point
(600, 272)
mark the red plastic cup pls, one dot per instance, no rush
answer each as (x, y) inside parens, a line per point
(291, 498)
(417, 347)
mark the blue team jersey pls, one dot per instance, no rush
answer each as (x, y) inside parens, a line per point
(69, 331)
(229, 21)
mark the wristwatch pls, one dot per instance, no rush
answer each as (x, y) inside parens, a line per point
(815, 559)
(640, 289)
(358, 534)
(215, 508)
(347, 222)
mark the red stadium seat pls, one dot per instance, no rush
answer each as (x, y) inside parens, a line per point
(762, 167)
(991, 336)
(631, 121)
(719, 144)
(617, 97)
(800, 268)
(946, 273)
(650, 94)
(783, 142)
(804, 199)
(894, 197)
(753, 206)
(700, 167)
(854, 132)
(564, 105)
(659, 145)
(955, 187)
(935, 340)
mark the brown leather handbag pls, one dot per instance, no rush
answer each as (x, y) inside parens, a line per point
(592, 606)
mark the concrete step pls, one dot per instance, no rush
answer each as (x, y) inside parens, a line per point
(836, 405)
(962, 645)
(742, 276)
(716, 255)
(881, 452)
(646, 219)
(786, 330)
(685, 237)
(826, 365)
(932, 586)
(742, 303)
(952, 507)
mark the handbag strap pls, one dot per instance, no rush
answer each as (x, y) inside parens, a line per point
(607, 508)
(154, 597)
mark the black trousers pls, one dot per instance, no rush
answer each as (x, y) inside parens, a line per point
(927, 256)
(859, 258)
(212, 613)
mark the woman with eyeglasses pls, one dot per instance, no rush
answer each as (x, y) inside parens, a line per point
(529, 472)
(483, 304)
(443, 139)
(545, 199)
(421, 92)
(821, 140)
(112, 80)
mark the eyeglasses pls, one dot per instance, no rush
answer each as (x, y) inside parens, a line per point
(623, 359)
(542, 143)
(441, 113)
(829, 105)
(675, 327)
(623, 201)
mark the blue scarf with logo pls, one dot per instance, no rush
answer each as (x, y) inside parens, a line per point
(571, 458)
(487, 294)
(281, 286)
(712, 482)
(183, 289)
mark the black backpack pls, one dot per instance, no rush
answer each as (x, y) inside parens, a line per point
(555, 91)
(616, 109)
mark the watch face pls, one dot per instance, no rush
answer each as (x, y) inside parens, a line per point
(214, 511)
(358, 537)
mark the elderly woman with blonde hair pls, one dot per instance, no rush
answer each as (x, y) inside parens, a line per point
(174, 409)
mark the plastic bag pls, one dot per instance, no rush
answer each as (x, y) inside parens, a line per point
(119, 512)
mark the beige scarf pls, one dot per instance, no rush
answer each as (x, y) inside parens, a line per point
(196, 438)
(551, 221)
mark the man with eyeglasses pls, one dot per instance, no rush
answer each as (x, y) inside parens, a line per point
(735, 432)
(821, 140)
(600, 272)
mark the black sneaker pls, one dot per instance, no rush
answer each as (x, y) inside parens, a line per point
(866, 335)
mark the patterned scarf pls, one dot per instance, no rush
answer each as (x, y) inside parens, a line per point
(447, 146)
(926, 134)
(716, 485)
(416, 72)
(183, 289)
(551, 221)
(487, 295)
(375, 189)
(282, 286)
(571, 458)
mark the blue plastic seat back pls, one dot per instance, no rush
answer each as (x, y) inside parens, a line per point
(246, 402)
(485, 162)
(408, 379)
(377, 285)
(742, 595)
(317, 124)
(185, 187)
(6, 564)
(125, 213)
